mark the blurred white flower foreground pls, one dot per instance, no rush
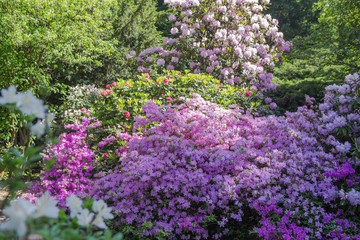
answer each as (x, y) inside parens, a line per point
(21, 210)
(28, 104)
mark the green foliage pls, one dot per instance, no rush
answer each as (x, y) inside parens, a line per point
(45, 46)
(15, 163)
(295, 16)
(326, 48)
(133, 28)
(130, 95)
(44, 38)
(307, 71)
(117, 110)
(339, 27)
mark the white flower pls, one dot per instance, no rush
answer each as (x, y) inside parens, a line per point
(8, 96)
(74, 203)
(38, 129)
(102, 209)
(85, 217)
(18, 211)
(46, 206)
(29, 104)
(99, 222)
(49, 118)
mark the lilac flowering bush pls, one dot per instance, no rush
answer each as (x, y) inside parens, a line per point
(194, 170)
(71, 162)
(202, 169)
(230, 39)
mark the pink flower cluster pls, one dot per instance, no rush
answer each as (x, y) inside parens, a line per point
(219, 30)
(71, 172)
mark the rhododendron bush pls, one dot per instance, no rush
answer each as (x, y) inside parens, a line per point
(230, 39)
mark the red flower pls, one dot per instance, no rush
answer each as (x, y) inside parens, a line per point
(116, 108)
(162, 95)
(126, 131)
(247, 94)
(240, 93)
(157, 82)
(114, 84)
(127, 114)
(110, 91)
(154, 98)
(166, 80)
(108, 86)
(126, 85)
(106, 155)
(169, 99)
(83, 109)
(147, 76)
(218, 89)
(104, 93)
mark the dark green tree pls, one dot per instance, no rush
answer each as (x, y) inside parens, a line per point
(295, 17)
(324, 52)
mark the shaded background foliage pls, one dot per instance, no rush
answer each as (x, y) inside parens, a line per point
(326, 47)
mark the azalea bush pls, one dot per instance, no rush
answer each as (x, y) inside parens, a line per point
(71, 162)
(192, 169)
(201, 169)
(232, 40)
(335, 121)
(46, 220)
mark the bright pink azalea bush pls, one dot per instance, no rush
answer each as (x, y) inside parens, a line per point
(232, 40)
(202, 168)
(72, 169)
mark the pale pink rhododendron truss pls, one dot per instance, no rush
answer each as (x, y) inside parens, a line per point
(230, 39)
(203, 162)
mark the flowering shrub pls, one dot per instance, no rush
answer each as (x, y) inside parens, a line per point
(195, 170)
(71, 162)
(122, 102)
(78, 100)
(196, 173)
(230, 39)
